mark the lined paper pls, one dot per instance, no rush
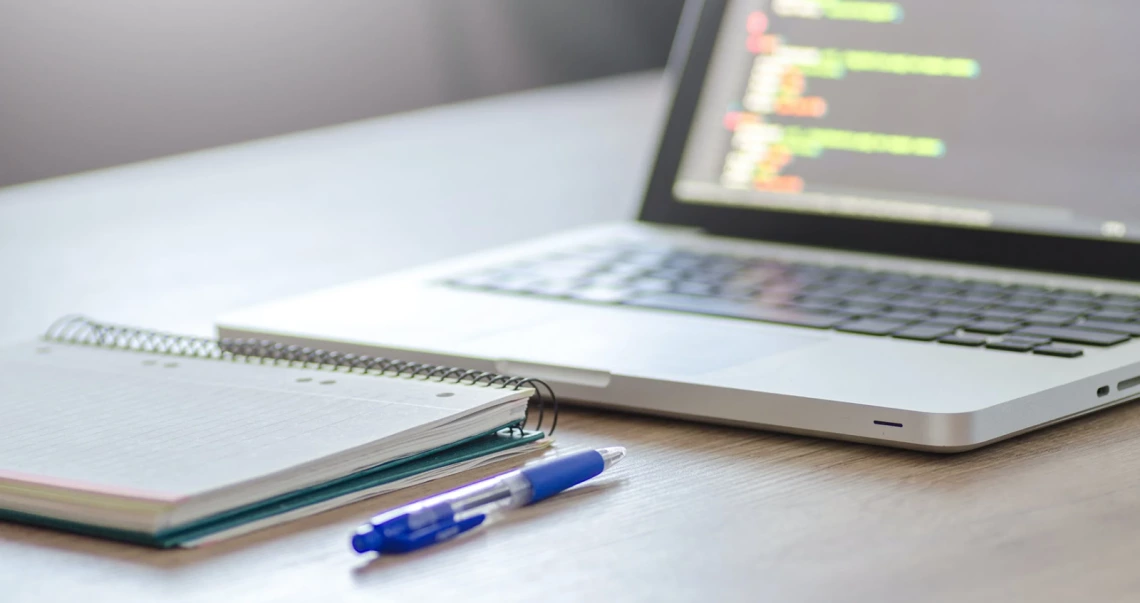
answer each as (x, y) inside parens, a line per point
(179, 426)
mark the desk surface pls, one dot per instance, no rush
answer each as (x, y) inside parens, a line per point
(696, 512)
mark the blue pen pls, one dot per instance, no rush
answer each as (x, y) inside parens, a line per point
(447, 515)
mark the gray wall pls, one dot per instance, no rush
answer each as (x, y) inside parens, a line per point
(87, 84)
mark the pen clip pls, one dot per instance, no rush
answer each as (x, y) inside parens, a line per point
(430, 535)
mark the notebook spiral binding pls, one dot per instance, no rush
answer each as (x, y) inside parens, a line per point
(77, 329)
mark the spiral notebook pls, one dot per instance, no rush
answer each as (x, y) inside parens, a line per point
(171, 441)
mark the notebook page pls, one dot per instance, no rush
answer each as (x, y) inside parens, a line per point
(127, 422)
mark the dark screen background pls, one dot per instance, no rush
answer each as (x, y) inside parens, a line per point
(1052, 120)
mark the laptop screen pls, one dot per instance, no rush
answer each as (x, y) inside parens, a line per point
(1019, 115)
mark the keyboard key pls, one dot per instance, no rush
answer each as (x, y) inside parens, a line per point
(981, 297)
(1111, 315)
(924, 332)
(1116, 307)
(1020, 307)
(1058, 350)
(862, 309)
(914, 303)
(1130, 328)
(949, 321)
(780, 289)
(1049, 318)
(959, 308)
(821, 298)
(993, 327)
(705, 278)
(895, 286)
(735, 309)
(851, 285)
(937, 290)
(1120, 298)
(904, 315)
(1031, 289)
(815, 305)
(1074, 335)
(1004, 314)
(1025, 299)
(1027, 339)
(829, 290)
(959, 317)
(1010, 346)
(871, 326)
(738, 291)
(966, 340)
(1064, 306)
(1074, 295)
(931, 297)
(870, 297)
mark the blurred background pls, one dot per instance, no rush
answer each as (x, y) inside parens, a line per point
(85, 85)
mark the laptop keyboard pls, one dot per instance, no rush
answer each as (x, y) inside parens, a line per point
(1006, 318)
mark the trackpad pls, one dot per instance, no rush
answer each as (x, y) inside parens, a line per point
(638, 345)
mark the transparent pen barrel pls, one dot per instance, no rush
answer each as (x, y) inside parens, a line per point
(508, 491)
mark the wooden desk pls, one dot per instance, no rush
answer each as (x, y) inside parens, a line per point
(695, 513)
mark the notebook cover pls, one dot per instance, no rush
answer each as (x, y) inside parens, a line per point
(463, 450)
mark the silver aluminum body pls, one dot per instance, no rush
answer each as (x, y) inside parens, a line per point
(791, 379)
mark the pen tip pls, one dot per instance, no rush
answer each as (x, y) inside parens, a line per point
(611, 455)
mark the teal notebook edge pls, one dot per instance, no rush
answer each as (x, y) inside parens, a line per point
(503, 438)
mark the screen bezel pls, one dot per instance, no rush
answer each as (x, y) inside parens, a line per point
(688, 66)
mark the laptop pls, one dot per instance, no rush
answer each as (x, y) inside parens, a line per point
(913, 224)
